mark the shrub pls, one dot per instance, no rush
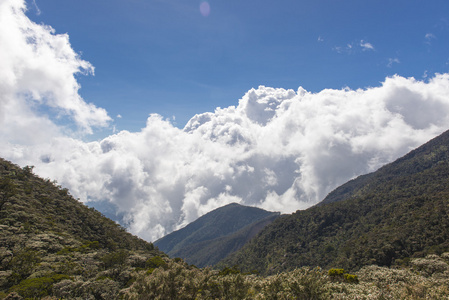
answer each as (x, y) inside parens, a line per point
(306, 283)
(341, 274)
(37, 287)
(84, 248)
(102, 289)
(351, 278)
(430, 265)
(228, 271)
(23, 263)
(336, 272)
(7, 190)
(114, 259)
(155, 262)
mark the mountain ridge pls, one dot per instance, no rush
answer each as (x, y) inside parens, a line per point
(350, 188)
(384, 218)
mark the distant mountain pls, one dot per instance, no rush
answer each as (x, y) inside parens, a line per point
(51, 244)
(216, 234)
(383, 218)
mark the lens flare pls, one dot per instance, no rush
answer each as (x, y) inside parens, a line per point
(205, 8)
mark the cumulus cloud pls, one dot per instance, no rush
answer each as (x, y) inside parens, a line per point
(37, 74)
(278, 149)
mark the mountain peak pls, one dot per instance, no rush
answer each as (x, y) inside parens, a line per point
(222, 225)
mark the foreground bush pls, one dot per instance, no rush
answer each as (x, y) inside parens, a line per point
(180, 281)
(161, 278)
(426, 279)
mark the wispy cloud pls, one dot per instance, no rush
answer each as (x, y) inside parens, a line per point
(429, 37)
(366, 46)
(354, 47)
(38, 11)
(392, 61)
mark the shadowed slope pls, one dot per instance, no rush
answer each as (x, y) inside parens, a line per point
(216, 234)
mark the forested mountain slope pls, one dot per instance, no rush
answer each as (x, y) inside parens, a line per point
(384, 218)
(216, 234)
(48, 240)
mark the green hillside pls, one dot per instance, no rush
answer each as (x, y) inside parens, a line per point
(385, 218)
(216, 234)
(51, 243)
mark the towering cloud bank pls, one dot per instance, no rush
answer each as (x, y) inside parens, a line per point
(277, 149)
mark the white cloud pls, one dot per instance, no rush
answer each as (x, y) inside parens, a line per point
(366, 45)
(392, 61)
(37, 73)
(354, 47)
(277, 149)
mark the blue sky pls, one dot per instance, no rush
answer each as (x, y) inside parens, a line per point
(167, 57)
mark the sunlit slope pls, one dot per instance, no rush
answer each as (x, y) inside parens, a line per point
(50, 243)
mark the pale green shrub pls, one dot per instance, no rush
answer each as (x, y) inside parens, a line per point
(102, 289)
(430, 265)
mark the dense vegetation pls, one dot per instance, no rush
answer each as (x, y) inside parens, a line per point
(216, 234)
(427, 278)
(385, 218)
(47, 237)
